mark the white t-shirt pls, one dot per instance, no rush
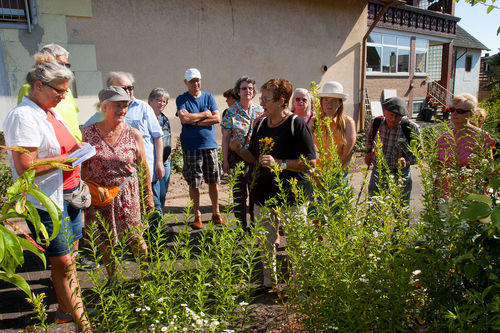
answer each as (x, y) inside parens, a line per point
(26, 126)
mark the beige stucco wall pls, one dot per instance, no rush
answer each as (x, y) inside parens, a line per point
(19, 46)
(157, 40)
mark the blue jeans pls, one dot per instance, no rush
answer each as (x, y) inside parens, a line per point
(160, 187)
(375, 184)
(335, 191)
(71, 230)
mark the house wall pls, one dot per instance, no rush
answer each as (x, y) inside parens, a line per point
(19, 46)
(375, 86)
(466, 82)
(157, 40)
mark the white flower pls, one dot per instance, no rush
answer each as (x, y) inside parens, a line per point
(233, 297)
(202, 314)
(214, 324)
(148, 308)
(363, 280)
(161, 299)
(143, 309)
(131, 295)
(243, 303)
(164, 329)
(160, 312)
(199, 322)
(174, 316)
(184, 305)
(138, 310)
(157, 321)
(152, 325)
(418, 271)
(171, 323)
(184, 329)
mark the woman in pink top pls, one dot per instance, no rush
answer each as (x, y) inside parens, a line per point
(455, 148)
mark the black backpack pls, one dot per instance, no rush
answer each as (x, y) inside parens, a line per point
(405, 126)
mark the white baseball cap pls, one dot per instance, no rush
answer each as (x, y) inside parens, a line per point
(192, 73)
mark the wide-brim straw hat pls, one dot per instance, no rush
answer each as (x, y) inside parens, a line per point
(333, 89)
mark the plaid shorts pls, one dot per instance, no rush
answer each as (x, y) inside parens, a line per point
(198, 163)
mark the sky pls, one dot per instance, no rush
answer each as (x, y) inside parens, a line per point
(479, 24)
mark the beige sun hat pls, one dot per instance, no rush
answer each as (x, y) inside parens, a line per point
(333, 89)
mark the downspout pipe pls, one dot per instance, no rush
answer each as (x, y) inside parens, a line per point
(361, 121)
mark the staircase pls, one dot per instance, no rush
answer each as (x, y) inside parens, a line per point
(440, 95)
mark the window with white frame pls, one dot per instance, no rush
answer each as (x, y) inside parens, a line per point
(386, 53)
(421, 49)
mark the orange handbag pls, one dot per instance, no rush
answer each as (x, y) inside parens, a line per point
(103, 195)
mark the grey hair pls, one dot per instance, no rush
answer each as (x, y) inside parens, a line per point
(309, 99)
(236, 89)
(114, 76)
(158, 93)
(54, 50)
(48, 72)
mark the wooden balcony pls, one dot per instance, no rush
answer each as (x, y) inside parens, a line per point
(413, 19)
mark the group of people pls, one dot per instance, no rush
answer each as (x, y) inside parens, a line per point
(132, 140)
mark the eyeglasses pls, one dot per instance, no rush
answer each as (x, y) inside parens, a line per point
(298, 99)
(65, 64)
(247, 88)
(128, 88)
(459, 111)
(265, 99)
(58, 91)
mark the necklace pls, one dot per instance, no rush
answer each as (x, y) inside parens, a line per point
(279, 122)
(111, 132)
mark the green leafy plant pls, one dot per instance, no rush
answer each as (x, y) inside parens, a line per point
(17, 206)
(177, 157)
(196, 281)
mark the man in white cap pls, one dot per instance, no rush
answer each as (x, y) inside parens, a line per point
(198, 113)
(395, 131)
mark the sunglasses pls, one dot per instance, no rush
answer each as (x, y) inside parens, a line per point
(128, 88)
(65, 64)
(459, 111)
(298, 99)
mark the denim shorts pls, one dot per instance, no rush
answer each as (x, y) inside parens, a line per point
(71, 230)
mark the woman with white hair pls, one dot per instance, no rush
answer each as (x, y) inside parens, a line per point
(302, 105)
(67, 107)
(119, 156)
(38, 127)
(456, 148)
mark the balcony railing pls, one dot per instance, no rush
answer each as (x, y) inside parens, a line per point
(413, 19)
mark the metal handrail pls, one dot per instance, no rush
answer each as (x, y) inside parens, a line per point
(438, 92)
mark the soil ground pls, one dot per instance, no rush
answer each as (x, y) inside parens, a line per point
(269, 315)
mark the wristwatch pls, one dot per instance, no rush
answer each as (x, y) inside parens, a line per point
(283, 164)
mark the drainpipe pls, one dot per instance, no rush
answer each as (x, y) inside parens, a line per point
(388, 3)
